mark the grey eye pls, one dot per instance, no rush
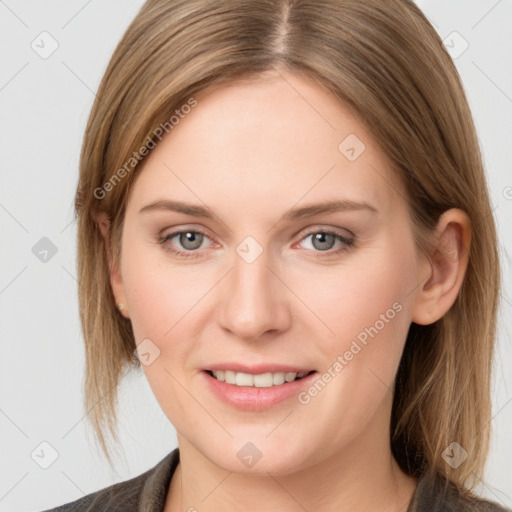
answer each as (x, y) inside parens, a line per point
(323, 241)
(190, 240)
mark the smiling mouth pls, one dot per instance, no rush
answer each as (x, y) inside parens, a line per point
(261, 380)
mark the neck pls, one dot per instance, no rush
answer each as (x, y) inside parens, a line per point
(362, 476)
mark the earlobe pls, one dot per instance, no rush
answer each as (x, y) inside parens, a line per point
(448, 263)
(116, 280)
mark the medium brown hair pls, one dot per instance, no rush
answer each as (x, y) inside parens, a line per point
(384, 60)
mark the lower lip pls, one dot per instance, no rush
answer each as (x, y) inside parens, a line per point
(251, 398)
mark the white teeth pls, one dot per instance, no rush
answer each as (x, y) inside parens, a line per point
(278, 378)
(229, 377)
(262, 380)
(244, 379)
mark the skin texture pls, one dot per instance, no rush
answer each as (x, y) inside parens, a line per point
(250, 152)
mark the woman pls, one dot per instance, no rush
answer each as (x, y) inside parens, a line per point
(283, 220)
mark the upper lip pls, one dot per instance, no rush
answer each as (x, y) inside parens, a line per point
(257, 369)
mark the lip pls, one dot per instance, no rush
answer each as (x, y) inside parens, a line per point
(251, 398)
(256, 368)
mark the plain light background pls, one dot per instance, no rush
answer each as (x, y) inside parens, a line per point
(45, 101)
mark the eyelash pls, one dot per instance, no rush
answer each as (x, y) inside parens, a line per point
(347, 243)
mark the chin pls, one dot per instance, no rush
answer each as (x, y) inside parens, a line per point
(258, 458)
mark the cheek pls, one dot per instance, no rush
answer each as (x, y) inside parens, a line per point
(159, 294)
(354, 297)
(366, 307)
(161, 299)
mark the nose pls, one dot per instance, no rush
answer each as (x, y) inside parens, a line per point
(254, 300)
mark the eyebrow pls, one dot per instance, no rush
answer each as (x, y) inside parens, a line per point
(292, 214)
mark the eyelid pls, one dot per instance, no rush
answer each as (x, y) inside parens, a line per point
(183, 229)
(322, 228)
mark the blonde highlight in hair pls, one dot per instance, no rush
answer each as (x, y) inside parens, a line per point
(384, 61)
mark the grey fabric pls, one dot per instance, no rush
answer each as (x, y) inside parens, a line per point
(443, 496)
(144, 493)
(147, 493)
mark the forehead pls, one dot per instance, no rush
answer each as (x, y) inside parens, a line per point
(280, 138)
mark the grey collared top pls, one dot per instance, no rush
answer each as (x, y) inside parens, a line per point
(147, 493)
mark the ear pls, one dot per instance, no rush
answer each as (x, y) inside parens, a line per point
(448, 264)
(116, 280)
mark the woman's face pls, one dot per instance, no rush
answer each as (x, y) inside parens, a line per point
(272, 284)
